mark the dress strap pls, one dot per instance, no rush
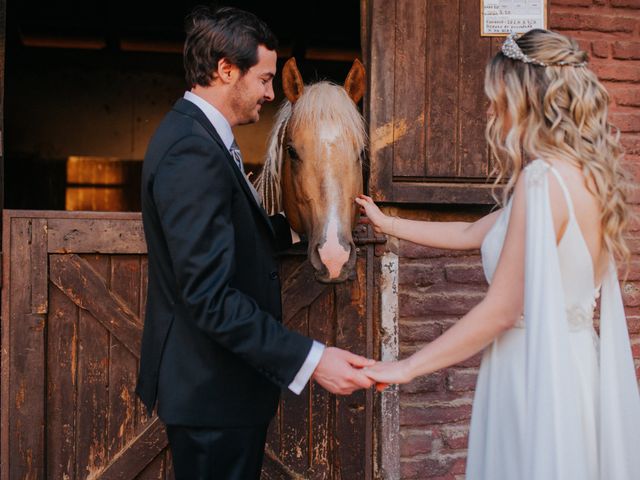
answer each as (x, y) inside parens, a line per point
(565, 190)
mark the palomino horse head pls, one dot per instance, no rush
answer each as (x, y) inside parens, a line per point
(313, 169)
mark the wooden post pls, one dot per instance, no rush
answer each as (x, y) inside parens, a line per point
(3, 11)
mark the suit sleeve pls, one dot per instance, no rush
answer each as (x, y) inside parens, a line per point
(193, 190)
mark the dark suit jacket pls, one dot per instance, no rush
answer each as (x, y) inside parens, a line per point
(214, 350)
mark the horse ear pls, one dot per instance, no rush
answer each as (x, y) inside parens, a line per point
(354, 84)
(292, 80)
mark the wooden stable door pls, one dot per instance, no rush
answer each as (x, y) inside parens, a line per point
(73, 293)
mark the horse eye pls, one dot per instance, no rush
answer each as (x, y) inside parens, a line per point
(292, 152)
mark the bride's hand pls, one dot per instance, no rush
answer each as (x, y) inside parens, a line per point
(386, 373)
(374, 216)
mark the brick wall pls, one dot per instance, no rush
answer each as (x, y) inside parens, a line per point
(437, 287)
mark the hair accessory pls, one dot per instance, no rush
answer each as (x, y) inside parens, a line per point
(511, 49)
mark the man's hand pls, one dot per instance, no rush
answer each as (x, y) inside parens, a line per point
(340, 371)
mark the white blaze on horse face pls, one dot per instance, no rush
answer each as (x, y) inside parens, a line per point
(332, 254)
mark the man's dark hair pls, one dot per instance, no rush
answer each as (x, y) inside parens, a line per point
(226, 32)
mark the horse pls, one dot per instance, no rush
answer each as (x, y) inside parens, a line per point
(313, 167)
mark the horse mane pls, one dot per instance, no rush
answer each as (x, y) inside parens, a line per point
(320, 102)
(268, 182)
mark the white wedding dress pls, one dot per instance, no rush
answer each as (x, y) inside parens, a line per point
(553, 400)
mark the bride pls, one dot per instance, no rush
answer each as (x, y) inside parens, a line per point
(553, 401)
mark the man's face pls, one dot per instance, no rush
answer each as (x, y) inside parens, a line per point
(254, 88)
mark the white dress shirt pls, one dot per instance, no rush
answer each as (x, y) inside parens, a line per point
(223, 128)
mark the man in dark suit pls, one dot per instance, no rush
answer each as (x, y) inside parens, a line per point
(214, 351)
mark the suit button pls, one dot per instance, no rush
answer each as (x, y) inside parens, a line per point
(274, 275)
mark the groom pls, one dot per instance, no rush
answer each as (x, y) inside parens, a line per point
(214, 351)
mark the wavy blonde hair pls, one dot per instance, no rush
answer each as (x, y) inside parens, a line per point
(557, 112)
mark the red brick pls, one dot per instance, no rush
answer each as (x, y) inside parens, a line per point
(433, 414)
(465, 273)
(461, 380)
(443, 300)
(420, 275)
(573, 3)
(626, 122)
(433, 382)
(631, 144)
(626, 50)
(627, 96)
(455, 437)
(626, 3)
(419, 331)
(635, 350)
(417, 442)
(600, 49)
(571, 20)
(631, 294)
(616, 71)
(633, 324)
(413, 250)
(634, 269)
(431, 466)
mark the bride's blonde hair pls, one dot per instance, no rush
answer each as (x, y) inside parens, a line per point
(557, 111)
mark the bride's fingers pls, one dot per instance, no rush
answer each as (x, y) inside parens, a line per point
(381, 386)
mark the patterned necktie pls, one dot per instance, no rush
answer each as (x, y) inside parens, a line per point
(237, 156)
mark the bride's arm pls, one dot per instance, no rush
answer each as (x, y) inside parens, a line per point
(495, 314)
(449, 235)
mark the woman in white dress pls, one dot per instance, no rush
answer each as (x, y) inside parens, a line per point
(554, 400)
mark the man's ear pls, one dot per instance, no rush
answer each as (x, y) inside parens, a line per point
(226, 70)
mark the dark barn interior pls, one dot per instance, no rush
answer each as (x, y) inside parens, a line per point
(86, 83)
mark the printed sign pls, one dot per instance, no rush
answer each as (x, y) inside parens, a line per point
(502, 17)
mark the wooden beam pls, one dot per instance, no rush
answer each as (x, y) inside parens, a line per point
(44, 40)
(136, 455)
(87, 289)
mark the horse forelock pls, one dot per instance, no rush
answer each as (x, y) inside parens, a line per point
(325, 103)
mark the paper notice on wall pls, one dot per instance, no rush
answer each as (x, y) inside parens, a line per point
(502, 17)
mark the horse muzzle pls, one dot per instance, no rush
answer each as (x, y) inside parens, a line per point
(333, 262)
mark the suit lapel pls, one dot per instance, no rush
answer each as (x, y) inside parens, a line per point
(188, 108)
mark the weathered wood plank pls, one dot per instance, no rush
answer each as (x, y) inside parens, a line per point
(295, 419)
(39, 270)
(155, 470)
(88, 290)
(93, 395)
(410, 94)
(381, 101)
(96, 236)
(137, 454)
(300, 289)
(472, 159)
(4, 353)
(62, 366)
(123, 365)
(350, 418)
(24, 407)
(442, 66)
(442, 193)
(141, 411)
(322, 402)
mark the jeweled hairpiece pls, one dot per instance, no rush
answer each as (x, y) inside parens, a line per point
(511, 49)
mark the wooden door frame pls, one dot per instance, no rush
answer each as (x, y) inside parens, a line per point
(386, 448)
(3, 29)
